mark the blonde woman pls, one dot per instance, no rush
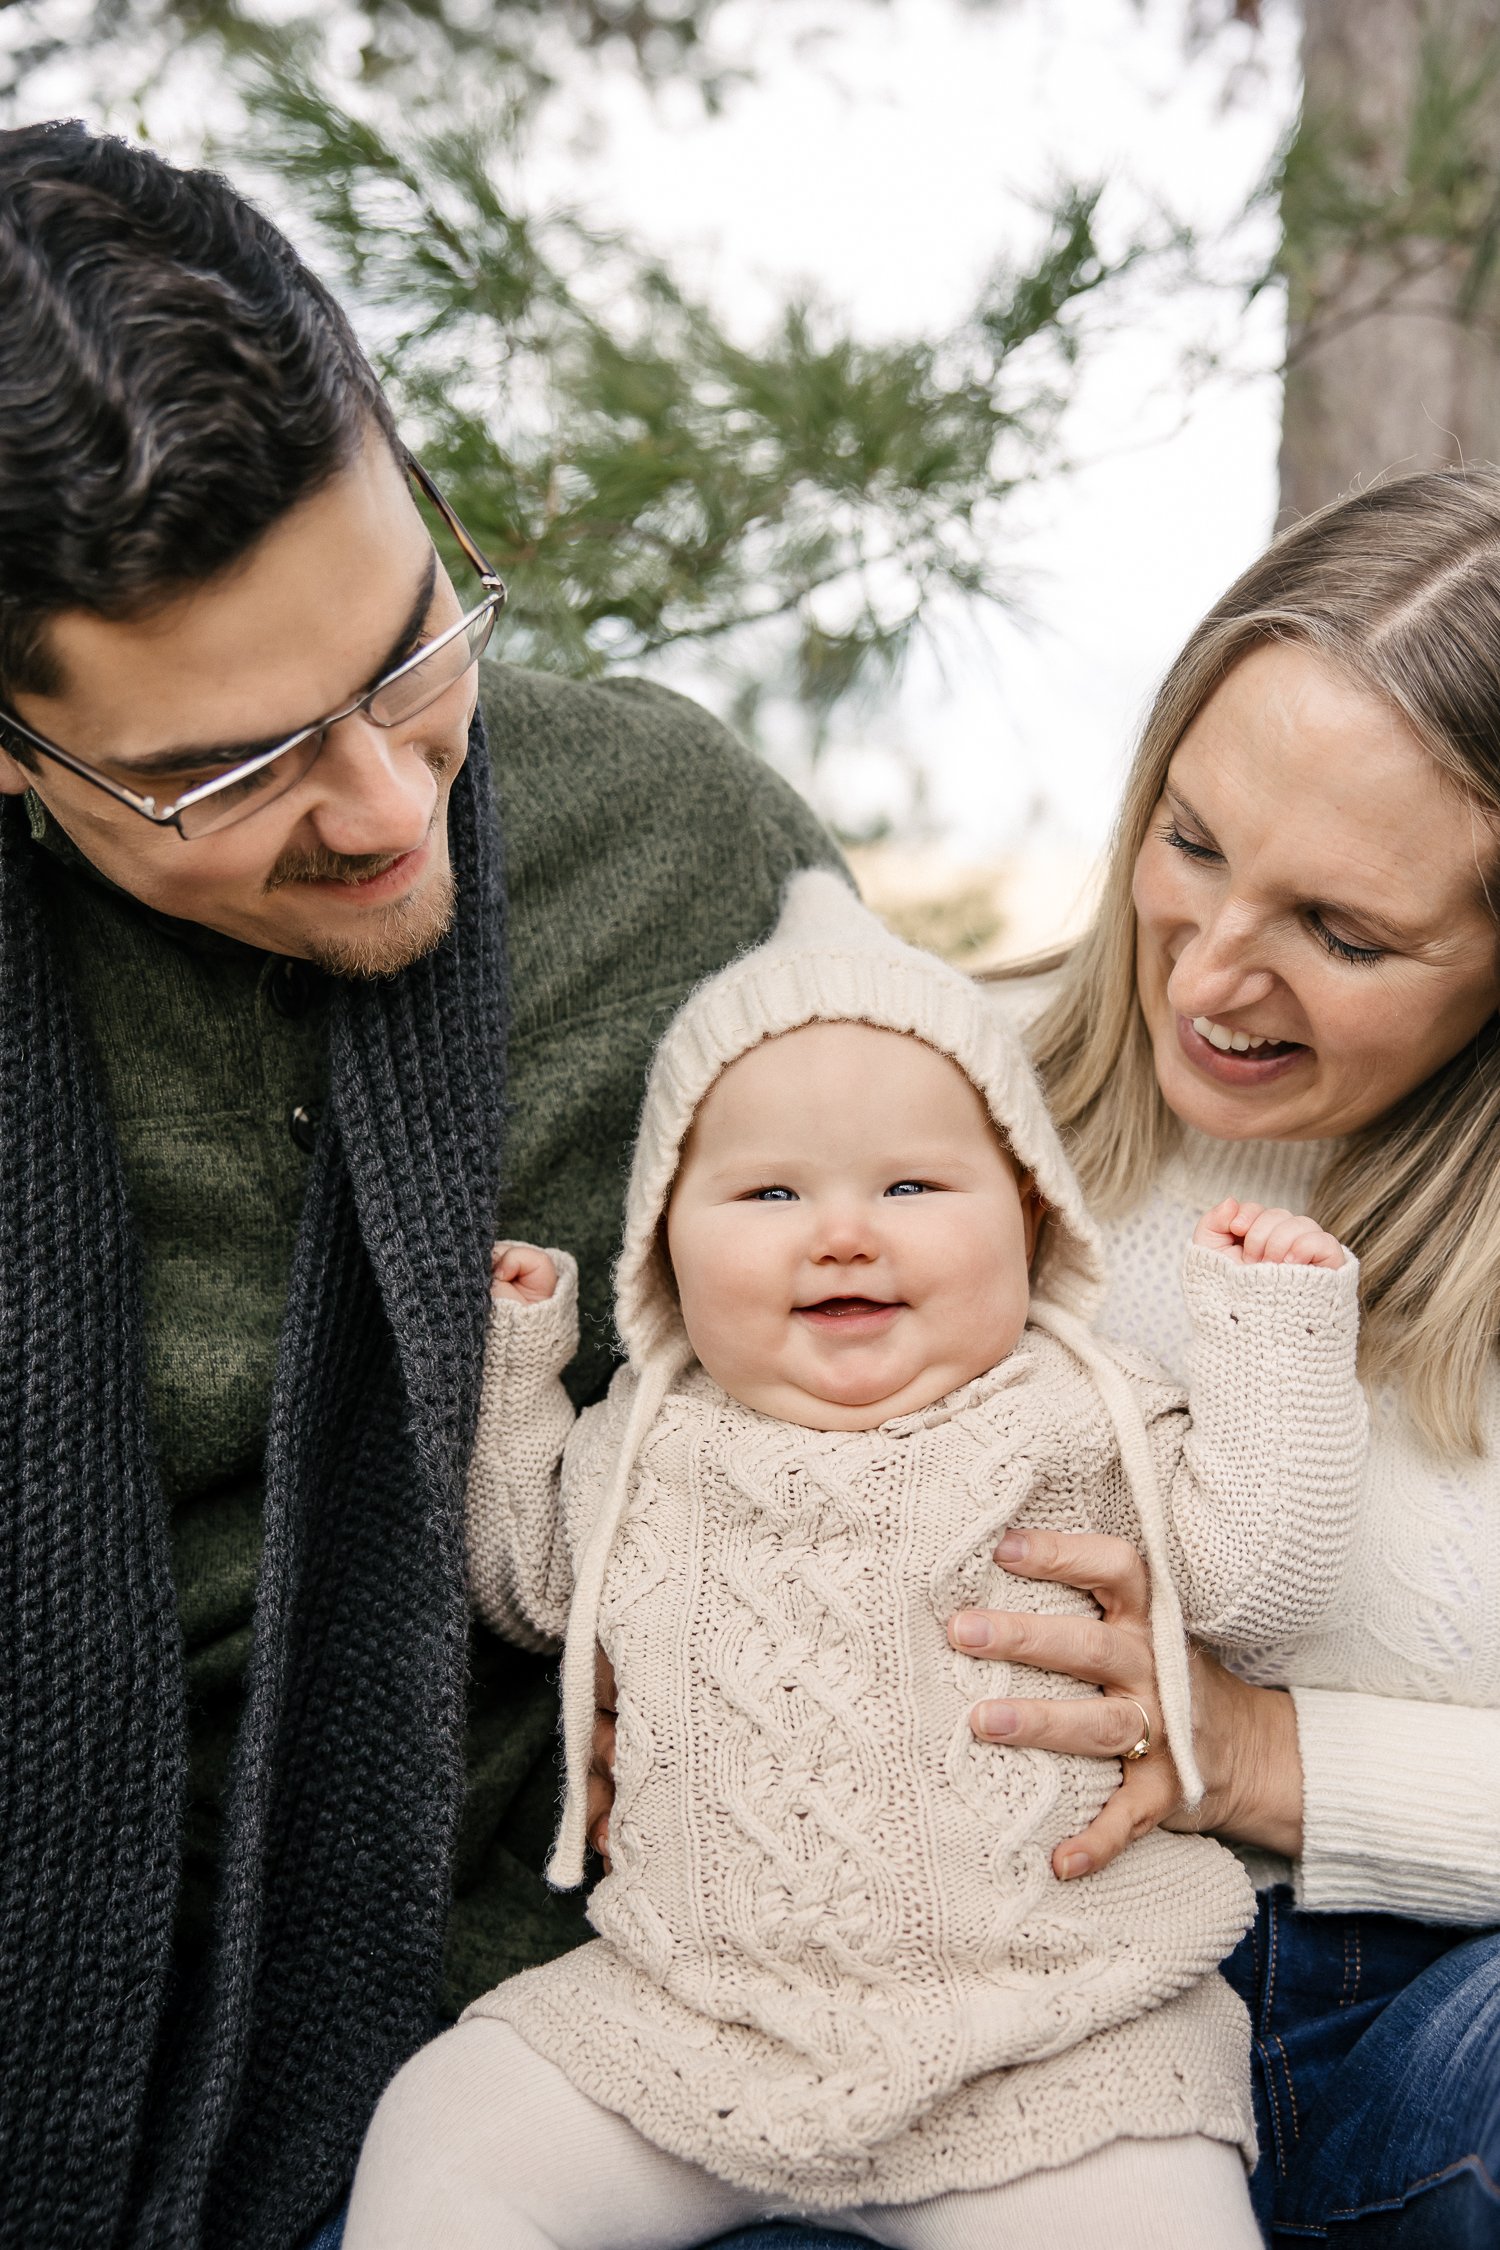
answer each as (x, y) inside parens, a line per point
(1290, 994)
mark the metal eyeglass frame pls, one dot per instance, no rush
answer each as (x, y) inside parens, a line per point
(170, 816)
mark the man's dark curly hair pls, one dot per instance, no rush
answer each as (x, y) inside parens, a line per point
(172, 380)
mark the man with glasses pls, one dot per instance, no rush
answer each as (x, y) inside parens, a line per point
(325, 957)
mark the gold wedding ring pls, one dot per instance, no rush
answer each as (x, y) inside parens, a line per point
(1138, 1749)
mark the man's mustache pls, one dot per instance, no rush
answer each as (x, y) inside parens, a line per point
(324, 866)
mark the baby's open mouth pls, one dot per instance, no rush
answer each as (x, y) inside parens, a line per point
(835, 1310)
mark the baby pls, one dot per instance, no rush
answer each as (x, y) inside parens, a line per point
(836, 1971)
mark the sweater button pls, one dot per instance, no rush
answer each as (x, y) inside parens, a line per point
(290, 987)
(302, 1124)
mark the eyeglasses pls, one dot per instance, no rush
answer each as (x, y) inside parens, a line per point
(396, 697)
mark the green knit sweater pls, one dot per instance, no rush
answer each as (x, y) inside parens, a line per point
(643, 848)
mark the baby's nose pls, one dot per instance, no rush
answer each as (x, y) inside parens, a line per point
(846, 1237)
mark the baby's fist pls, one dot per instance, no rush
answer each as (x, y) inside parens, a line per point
(1253, 1236)
(520, 1275)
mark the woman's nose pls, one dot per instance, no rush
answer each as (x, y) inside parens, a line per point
(373, 792)
(1216, 967)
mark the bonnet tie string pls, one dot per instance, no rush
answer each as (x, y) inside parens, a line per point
(662, 1368)
(1168, 1636)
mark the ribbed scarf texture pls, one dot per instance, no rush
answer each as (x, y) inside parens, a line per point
(232, 2124)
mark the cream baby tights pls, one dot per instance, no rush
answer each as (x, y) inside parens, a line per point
(479, 2144)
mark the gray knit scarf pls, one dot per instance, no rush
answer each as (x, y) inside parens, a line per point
(235, 2120)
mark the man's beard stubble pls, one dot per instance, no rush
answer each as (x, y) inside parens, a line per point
(404, 933)
(390, 941)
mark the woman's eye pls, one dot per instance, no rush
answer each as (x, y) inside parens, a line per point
(1341, 949)
(1189, 848)
(1331, 942)
(907, 1187)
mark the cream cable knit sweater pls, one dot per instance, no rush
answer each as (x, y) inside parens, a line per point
(833, 1960)
(1398, 1690)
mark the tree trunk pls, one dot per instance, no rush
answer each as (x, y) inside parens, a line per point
(1390, 189)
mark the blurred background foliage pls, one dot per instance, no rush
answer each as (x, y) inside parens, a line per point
(645, 479)
(797, 508)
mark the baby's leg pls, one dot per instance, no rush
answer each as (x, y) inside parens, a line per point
(1186, 2194)
(478, 2144)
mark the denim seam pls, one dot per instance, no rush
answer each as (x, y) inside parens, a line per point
(1473, 2164)
(1283, 2149)
(1291, 2086)
(1284, 2146)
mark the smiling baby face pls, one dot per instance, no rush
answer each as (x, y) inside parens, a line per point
(850, 1240)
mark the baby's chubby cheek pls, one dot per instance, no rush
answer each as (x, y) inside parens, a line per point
(737, 1316)
(975, 1319)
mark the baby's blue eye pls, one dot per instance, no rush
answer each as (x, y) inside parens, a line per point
(773, 1195)
(908, 1187)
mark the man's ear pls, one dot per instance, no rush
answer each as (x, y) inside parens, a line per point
(14, 779)
(1033, 1212)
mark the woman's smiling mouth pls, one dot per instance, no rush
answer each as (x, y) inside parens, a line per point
(1236, 1058)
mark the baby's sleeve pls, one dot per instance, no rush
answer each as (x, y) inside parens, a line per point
(520, 1571)
(1262, 1473)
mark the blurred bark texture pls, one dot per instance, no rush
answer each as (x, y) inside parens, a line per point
(1391, 209)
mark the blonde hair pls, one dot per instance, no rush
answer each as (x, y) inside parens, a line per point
(1400, 588)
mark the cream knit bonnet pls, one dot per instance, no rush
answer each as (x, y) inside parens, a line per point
(829, 960)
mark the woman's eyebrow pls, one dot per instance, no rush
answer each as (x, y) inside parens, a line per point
(165, 763)
(1180, 805)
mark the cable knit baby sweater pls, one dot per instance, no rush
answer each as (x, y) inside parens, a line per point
(833, 1962)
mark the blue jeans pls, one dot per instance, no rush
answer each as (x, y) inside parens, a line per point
(1377, 2079)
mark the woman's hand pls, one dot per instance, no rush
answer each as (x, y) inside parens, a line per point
(601, 1789)
(1245, 1737)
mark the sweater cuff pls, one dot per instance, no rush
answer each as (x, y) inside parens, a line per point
(1401, 1807)
(1211, 1278)
(544, 1334)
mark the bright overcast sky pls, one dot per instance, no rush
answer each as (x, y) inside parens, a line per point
(888, 168)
